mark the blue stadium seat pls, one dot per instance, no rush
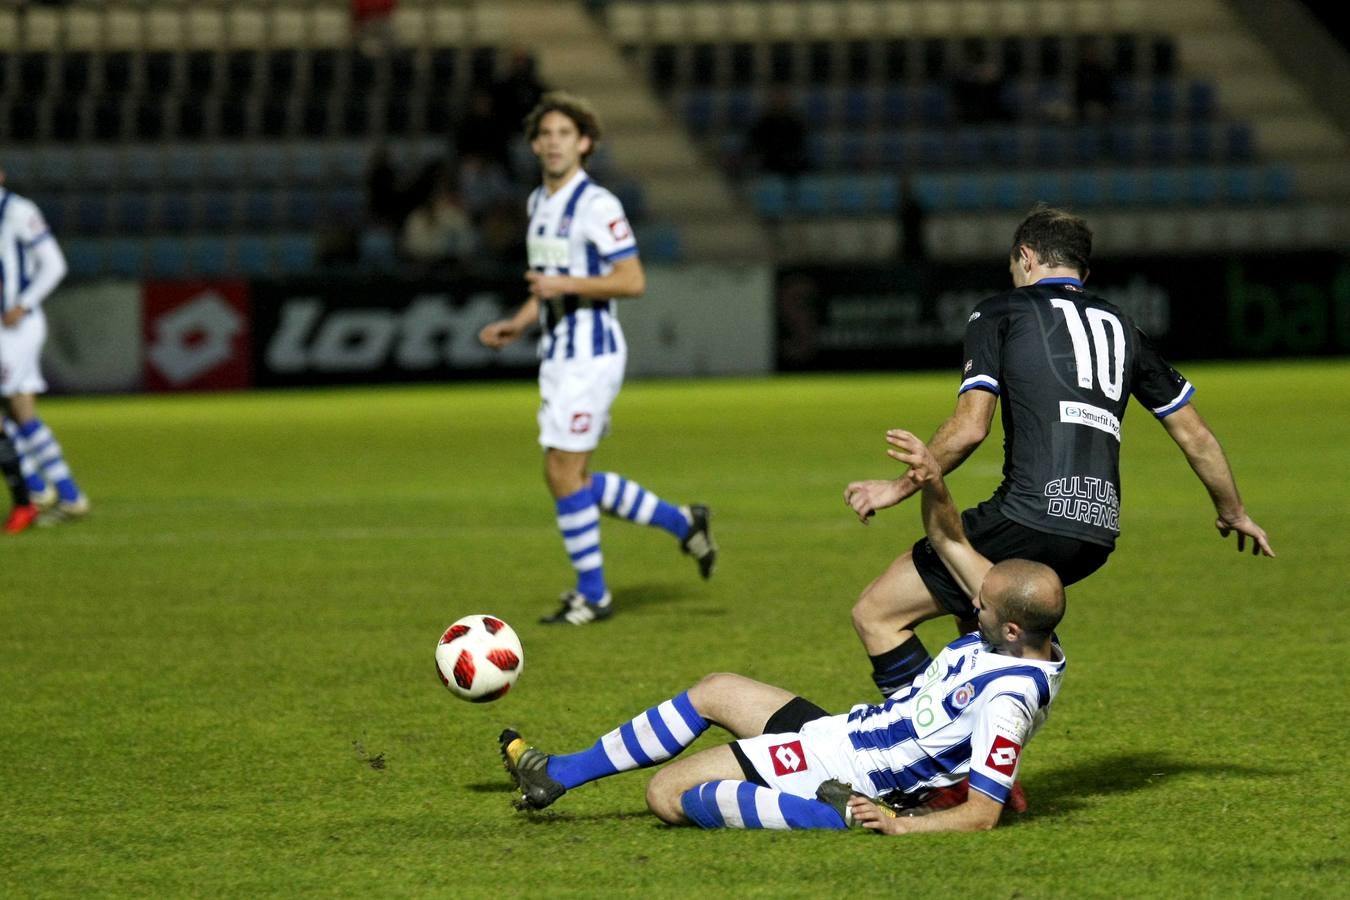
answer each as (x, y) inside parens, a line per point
(269, 164)
(347, 206)
(811, 196)
(295, 254)
(1165, 187)
(144, 165)
(698, 111)
(350, 160)
(130, 211)
(1124, 142)
(931, 191)
(1239, 142)
(1048, 186)
(933, 148)
(1090, 144)
(969, 149)
(1239, 185)
(377, 250)
(1200, 142)
(1277, 183)
(848, 194)
(303, 208)
(182, 165)
(818, 106)
(89, 214)
(821, 150)
(1050, 146)
(84, 256)
(123, 256)
(253, 255)
(22, 166)
(739, 109)
(258, 209)
(768, 196)
(893, 149)
(1162, 102)
(884, 193)
(166, 257)
(859, 104)
(1162, 142)
(98, 167)
(1005, 145)
(1202, 185)
(897, 107)
(1200, 101)
(177, 210)
(1125, 187)
(1085, 189)
(309, 164)
(1006, 192)
(853, 151)
(970, 191)
(217, 210)
(935, 106)
(56, 166)
(210, 256)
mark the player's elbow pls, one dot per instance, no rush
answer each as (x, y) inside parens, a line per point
(636, 285)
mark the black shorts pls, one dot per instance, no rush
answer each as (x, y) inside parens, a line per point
(789, 719)
(998, 538)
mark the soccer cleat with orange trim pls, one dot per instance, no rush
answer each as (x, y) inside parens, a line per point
(20, 517)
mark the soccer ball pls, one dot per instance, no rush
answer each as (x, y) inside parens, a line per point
(478, 658)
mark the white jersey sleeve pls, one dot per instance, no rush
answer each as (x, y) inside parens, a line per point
(1002, 729)
(606, 227)
(33, 262)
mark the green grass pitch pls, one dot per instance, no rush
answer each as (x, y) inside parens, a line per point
(221, 683)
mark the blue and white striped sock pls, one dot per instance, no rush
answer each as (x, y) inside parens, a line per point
(37, 442)
(579, 522)
(741, 804)
(653, 737)
(629, 500)
(36, 483)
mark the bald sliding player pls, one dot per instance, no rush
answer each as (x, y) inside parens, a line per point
(31, 266)
(583, 257)
(1064, 362)
(968, 715)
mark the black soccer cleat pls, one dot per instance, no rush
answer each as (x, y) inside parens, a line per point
(528, 768)
(577, 610)
(837, 793)
(699, 542)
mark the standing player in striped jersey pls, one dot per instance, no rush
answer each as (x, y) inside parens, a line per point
(583, 257)
(31, 266)
(968, 715)
(1064, 363)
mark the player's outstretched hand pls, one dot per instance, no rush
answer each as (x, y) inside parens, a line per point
(498, 334)
(908, 449)
(1246, 529)
(873, 817)
(865, 498)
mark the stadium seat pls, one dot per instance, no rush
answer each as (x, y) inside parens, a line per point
(253, 256)
(216, 210)
(1239, 185)
(295, 254)
(177, 210)
(131, 212)
(810, 195)
(1202, 187)
(123, 256)
(1277, 183)
(258, 209)
(769, 197)
(166, 257)
(84, 256)
(144, 165)
(210, 256)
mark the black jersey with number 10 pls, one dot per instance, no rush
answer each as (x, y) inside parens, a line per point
(1064, 364)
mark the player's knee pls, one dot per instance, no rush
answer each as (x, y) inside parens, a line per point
(663, 799)
(705, 695)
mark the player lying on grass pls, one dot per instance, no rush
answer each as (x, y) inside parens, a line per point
(795, 766)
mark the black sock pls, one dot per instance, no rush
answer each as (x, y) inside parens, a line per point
(897, 667)
(9, 465)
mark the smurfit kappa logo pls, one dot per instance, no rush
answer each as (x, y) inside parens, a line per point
(194, 338)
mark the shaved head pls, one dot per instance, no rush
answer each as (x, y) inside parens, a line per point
(1029, 594)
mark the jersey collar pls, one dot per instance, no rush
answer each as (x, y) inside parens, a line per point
(567, 187)
(1063, 279)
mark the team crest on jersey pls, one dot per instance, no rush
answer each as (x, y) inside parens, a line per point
(788, 758)
(1003, 756)
(961, 697)
(619, 229)
(581, 423)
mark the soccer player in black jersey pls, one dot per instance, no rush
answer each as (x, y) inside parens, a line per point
(1065, 364)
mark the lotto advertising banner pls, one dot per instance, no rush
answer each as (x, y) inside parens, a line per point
(365, 331)
(1230, 307)
(196, 335)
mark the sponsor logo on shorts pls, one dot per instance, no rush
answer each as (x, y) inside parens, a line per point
(1003, 756)
(961, 697)
(1089, 415)
(788, 758)
(581, 423)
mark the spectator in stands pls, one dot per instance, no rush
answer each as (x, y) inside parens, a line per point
(1093, 83)
(373, 25)
(978, 88)
(484, 130)
(513, 96)
(483, 182)
(385, 203)
(438, 232)
(776, 141)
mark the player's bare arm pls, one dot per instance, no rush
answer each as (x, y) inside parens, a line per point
(941, 518)
(502, 332)
(1207, 459)
(13, 317)
(627, 280)
(955, 439)
(978, 813)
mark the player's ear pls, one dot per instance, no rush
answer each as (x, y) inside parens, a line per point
(585, 145)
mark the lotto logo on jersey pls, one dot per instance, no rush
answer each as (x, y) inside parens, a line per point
(619, 230)
(788, 758)
(581, 423)
(1003, 756)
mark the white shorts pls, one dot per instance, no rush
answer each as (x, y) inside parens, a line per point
(798, 762)
(575, 396)
(20, 350)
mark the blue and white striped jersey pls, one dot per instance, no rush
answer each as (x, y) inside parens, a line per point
(579, 230)
(31, 265)
(970, 714)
